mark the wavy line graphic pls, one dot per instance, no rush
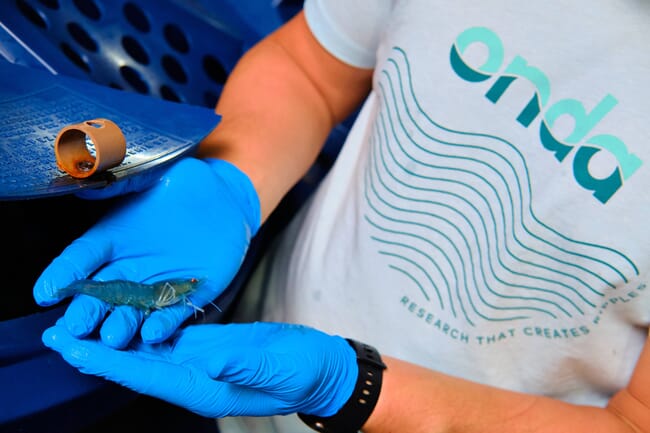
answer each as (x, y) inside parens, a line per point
(452, 211)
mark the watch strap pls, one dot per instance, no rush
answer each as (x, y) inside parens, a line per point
(356, 411)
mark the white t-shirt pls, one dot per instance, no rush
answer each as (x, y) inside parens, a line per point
(488, 215)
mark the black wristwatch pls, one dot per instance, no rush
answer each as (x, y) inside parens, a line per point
(356, 411)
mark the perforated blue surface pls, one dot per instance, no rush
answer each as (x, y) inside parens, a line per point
(34, 109)
(153, 48)
(63, 61)
(179, 50)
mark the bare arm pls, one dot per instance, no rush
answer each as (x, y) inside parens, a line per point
(278, 107)
(414, 399)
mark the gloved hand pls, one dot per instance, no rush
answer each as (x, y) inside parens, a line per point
(256, 369)
(197, 221)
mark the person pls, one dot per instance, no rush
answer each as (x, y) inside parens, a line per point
(484, 228)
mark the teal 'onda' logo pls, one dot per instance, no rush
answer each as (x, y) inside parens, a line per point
(579, 143)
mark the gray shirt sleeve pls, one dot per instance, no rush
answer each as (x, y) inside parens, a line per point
(349, 30)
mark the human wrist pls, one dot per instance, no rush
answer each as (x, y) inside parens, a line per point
(357, 409)
(241, 187)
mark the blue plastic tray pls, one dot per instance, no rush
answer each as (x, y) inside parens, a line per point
(164, 49)
(35, 105)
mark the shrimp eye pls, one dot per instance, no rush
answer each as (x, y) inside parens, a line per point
(194, 280)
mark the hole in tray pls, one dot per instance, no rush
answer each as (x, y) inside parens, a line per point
(134, 49)
(89, 9)
(176, 39)
(74, 56)
(82, 37)
(33, 15)
(174, 69)
(136, 17)
(135, 80)
(214, 70)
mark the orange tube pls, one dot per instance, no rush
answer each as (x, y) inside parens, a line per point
(73, 155)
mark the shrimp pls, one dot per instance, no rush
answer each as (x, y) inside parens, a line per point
(145, 297)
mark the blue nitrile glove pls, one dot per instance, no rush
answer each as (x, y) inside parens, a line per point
(138, 183)
(197, 221)
(256, 369)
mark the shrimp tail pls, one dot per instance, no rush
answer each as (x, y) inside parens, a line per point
(84, 286)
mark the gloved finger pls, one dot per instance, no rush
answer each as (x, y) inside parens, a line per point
(78, 260)
(120, 326)
(196, 344)
(246, 368)
(224, 353)
(84, 314)
(142, 374)
(177, 384)
(161, 324)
